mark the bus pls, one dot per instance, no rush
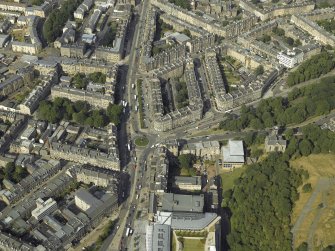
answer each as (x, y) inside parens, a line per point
(127, 231)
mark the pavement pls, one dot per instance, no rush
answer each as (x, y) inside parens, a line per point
(322, 186)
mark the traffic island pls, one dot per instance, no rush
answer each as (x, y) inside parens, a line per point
(141, 141)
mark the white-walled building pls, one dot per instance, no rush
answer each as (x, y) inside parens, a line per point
(44, 208)
(290, 58)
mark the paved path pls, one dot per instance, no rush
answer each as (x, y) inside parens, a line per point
(322, 185)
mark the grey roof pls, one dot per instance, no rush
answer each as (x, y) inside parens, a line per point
(194, 221)
(186, 221)
(86, 196)
(195, 180)
(233, 151)
(275, 140)
(182, 203)
(161, 237)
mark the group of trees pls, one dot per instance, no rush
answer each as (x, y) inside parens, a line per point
(304, 247)
(313, 140)
(313, 100)
(312, 68)
(260, 205)
(181, 95)
(109, 37)
(161, 28)
(262, 221)
(186, 162)
(265, 38)
(36, 2)
(106, 232)
(185, 4)
(81, 80)
(56, 20)
(278, 31)
(13, 173)
(327, 24)
(79, 112)
(259, 70)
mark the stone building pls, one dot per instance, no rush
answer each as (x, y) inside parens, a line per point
(178, 117)
(275, 142)
(289, 9)
(208, 25)
(31, 102)
(313, 29)
(85, 155)
(93, 98)
(206, 149)
(187, 183)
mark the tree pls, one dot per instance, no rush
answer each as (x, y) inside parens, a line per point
(187, 32)
(80, 81)
(259, 70)
(289, 40)
(186, 160)
(263, 226)
(97, 77)
(114, 113)
(329, 248)
(278, 31)
(79, 117)
(305, 147)
(9, 170)
(56, 20)
(265, 38)
(19, 174)
(307, 188)
(302, 247)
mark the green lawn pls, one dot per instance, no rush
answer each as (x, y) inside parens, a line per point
(229, 177)
(194, 244)
(142, 141)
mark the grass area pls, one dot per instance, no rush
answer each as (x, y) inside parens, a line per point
(18, 34)
(228, 178)
(194, 244)
(325, 232)
(232, 78)
(174, 244)
(317, 165)
(141, 141)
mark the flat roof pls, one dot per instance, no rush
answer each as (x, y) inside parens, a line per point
(182, 203)
(233, 151)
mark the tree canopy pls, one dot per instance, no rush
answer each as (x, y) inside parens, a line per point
(261, 203)
(185, 4)
(79, 112)
(259, 70)
(314, 67)
(56, 20)
(313, 100)
(186, 160)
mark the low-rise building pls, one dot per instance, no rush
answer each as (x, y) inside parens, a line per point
(187, 183)
(44, 208)
(158, 237)
(172, 202)
(206, 149)
(275, 142)
(233, 154)
(290, 58)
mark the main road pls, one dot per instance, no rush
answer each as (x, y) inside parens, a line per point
(118, 240)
